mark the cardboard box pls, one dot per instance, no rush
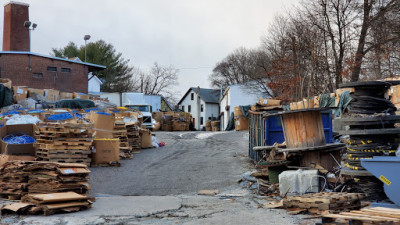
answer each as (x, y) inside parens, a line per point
(146, 137)
(80, 95)
(8, 158)
(395, 94)
(105, 151)
(316, 101)
(215, 129)
(269, 102)
(242, 123)
(208, 128)
(215, 123)
(52, 95)
(208, 123)
(157, 116)
(18, 149)
(166, 127)
(34, 91)
(66, 95)
(6, 82)
(178, 125)
(20, 93)
(237, 111)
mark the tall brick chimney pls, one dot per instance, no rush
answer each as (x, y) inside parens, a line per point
(15, 34)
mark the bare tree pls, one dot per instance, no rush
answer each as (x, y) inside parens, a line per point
(372, 12)
(160, 80)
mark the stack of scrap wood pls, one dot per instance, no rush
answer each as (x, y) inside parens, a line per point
(325, 201)
(376, 215)
(134, 139)
(18, 178)
(64, 142)
(49, 203)
(121, 132)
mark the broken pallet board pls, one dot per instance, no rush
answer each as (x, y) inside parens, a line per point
(376, 215)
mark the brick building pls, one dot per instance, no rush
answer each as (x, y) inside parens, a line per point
(26, 68)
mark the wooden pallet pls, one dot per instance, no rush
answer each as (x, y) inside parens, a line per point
(70, 152)
(324, 201)
(376, 215)
(82, 161)
(62, 147)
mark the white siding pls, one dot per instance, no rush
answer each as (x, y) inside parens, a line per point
(237, 95)
(194, 106)
(94, 84)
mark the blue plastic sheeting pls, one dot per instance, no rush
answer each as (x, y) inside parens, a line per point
(78, 115)
(116, 111)
(274, 131)
(61, 116)
(94, 109)
(18, 139)
(103, 113)
(36, 111)
(10, 113)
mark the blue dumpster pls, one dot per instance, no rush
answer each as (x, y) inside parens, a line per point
(274, 130)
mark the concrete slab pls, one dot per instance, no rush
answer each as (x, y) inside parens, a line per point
(137, 206)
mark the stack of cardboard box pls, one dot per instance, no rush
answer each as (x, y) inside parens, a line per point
(241, 121)
(18, 178)
(49, 203)
(208, 125)
(215, 125)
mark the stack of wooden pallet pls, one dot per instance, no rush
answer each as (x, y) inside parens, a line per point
(64, 142)
(376, 215)
(49, 203)
(133, 137)
(120, 132)
(317, 202)
(18, 178)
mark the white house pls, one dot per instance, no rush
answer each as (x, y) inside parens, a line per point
(202, 103)
(236, 95)
(94, 83)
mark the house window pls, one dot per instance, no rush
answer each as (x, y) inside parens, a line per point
(201, 107)
(201, 120)
(189, 108)
(183, 108)
(52, 68)
(37, 75)
(192, 96)
(66, 70)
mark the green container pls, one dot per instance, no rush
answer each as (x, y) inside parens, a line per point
(273, 173)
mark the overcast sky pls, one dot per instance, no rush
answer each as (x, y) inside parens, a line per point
(191, 35)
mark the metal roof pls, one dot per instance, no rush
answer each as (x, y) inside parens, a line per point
(208, 95)
(52, 57)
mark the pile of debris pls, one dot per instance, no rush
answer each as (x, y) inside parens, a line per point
(18, 178)
(172, 121)
(64, 141)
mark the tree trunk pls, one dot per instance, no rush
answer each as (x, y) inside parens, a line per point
(355, 76)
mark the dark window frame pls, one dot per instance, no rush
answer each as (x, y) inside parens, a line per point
(201, 108)
(183, 108)
(189, 108)
(192, 96)
(201, 120)
(37, 75)
(52, 69)
(65, 70)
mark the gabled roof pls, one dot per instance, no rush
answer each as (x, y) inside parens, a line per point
(207, 95)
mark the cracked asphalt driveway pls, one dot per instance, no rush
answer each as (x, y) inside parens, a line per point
(189, 162)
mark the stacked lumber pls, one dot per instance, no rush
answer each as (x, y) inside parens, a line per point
(376, 215)
(18, 178)
(325, 201)
(121, 133)
(64, 142)
(49, 203)
(134, 139)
